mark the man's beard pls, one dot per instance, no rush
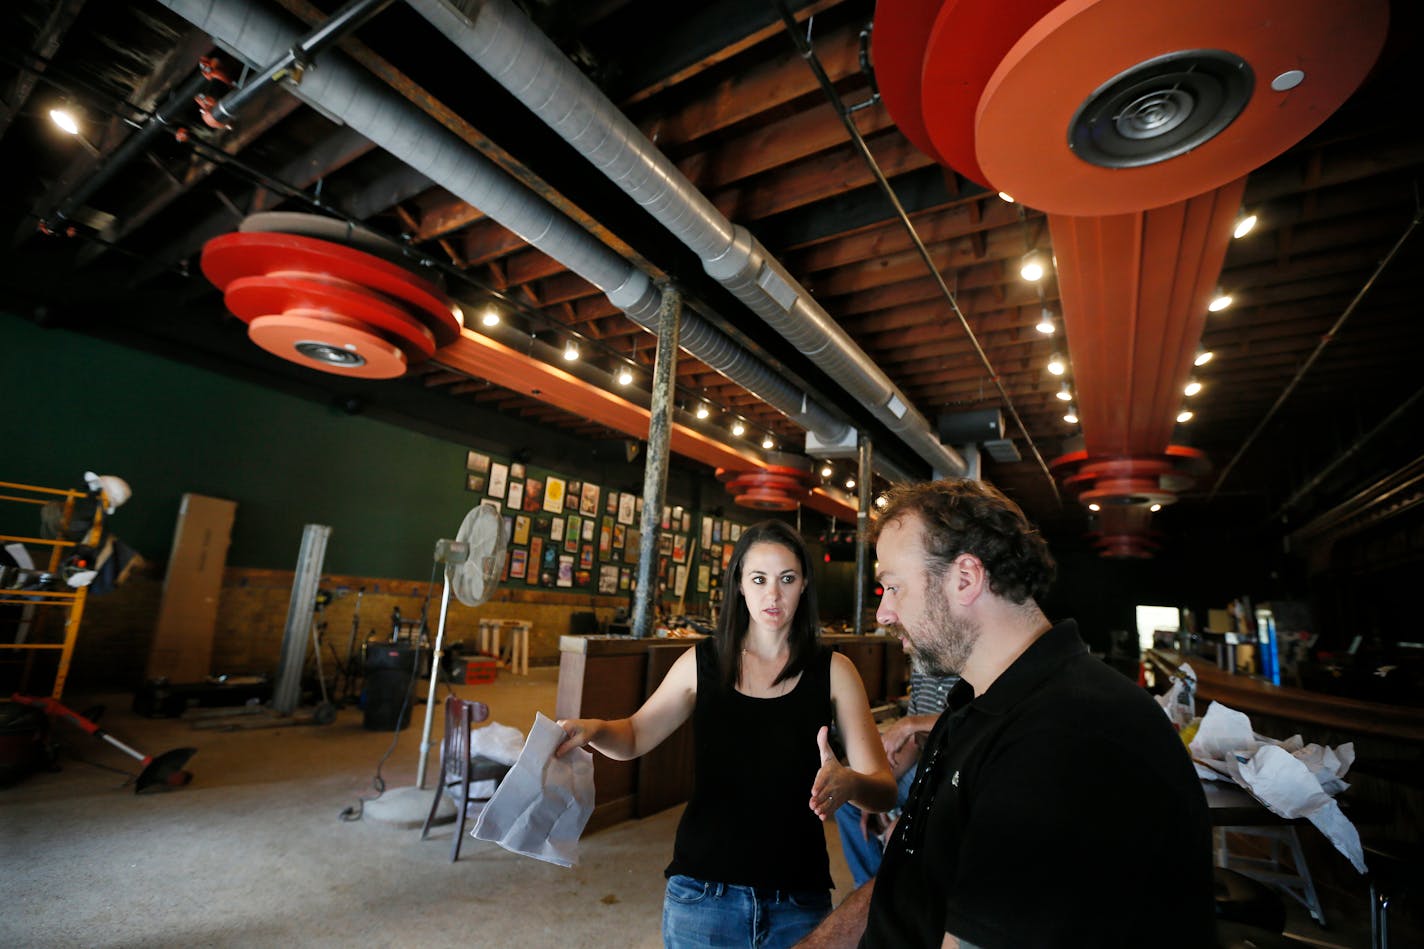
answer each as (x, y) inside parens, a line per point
(942, 642)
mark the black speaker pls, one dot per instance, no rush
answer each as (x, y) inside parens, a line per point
(389, 670)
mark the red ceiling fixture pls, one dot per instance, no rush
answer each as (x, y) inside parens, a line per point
(778, 487)
(313, 299)
(1133, 126)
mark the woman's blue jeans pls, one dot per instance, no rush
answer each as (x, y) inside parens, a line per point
(702, 915)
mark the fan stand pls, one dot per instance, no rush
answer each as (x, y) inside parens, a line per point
(407, 807)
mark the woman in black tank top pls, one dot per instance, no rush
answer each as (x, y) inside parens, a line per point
(749, 866)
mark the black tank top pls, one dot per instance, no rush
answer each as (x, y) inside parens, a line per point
(749, 821)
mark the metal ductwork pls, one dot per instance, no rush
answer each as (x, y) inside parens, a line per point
(521, 58)
(339, 89)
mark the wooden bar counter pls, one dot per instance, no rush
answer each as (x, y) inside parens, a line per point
(611, 676)
(1252, 694)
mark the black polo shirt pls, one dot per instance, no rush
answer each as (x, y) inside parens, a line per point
(1057, 809)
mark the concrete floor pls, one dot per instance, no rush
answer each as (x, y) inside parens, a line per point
(254, 852)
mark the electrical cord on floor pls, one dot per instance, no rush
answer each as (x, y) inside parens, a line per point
(354, 811)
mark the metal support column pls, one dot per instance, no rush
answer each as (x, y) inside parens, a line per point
(656, 466)
(863, 475)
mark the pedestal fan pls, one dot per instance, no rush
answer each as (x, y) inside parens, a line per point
(473, 563)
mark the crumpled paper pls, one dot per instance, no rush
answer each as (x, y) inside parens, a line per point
(1292, 779)
(542, 804)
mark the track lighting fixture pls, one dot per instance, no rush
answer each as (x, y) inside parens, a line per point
(850, 484)
(1192, 387)
(1155, 508)
(1005, 196)
(1185, 415)
(1057, 364)
(490, 317)
(1064, 394)
(571, 351)
(1095, 507)
(1220, 302)
(768, 442)
(66, 118)
(1045, 324)
(1203, 357)
(702, 410)
(825, 471)
(1071, 417)
(739, 428)
(1244, 225)
(625, 376)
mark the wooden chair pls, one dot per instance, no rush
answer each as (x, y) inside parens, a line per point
(459, 768)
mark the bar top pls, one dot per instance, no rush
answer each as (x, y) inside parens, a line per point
(1251, 694)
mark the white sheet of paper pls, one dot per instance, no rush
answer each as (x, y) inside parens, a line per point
(1285, 784)
(543, 803)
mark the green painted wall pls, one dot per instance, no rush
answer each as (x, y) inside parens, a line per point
(73, 403)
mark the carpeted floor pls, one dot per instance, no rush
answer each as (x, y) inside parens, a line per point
(253, 852)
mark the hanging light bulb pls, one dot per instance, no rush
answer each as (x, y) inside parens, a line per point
(739, 428)
(825, 471)
(1095, 507)
(1185, 415)
(490, 317)
(1005, 196)
(1220, 302)
(1192, 387)
(850, 484)
(1203, 357)
(1064, 394)
(1071, 417)
(1032, 267)
(1057, 364)
(1244, 226)
(571, 351)
(625, 376)
(1045, 324)
(65, 117)
(768, 442)
(1155, 508)
(702, 410)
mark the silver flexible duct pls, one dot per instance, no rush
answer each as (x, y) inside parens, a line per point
(338, 88)
(497, 36)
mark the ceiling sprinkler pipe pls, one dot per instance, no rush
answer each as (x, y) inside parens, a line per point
(352, 95)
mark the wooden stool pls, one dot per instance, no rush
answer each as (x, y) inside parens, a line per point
(491, 642)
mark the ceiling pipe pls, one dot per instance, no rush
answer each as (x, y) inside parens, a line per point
(341, 90)
(514, 51)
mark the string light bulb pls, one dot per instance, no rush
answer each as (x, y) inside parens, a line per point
(1032, 267)
(65, 119)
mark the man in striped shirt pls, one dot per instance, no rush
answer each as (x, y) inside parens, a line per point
(862, 834)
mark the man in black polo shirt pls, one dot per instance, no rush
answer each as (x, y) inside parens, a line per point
(1055, 805)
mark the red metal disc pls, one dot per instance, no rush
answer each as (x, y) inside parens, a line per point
(960, 49)
(897, 47)
(766, 500)
(302, 338)
(242, 254)
(251, 297)
(1021, 130)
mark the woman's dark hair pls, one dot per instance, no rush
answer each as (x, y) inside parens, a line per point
(733, 621)
(974, 517)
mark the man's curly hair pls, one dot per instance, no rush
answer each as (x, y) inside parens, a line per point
(967, 516)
